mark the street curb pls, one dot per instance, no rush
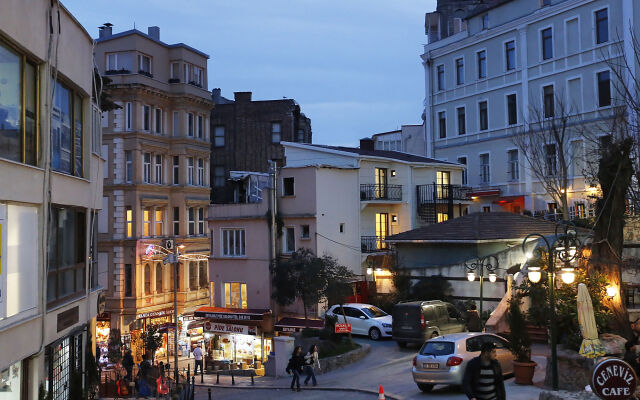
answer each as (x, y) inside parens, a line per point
(328, 389)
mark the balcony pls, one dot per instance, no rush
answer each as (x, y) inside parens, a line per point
(440, 193)
(380, 192)
(373, 244)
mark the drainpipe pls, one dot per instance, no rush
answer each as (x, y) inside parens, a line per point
(273, 209)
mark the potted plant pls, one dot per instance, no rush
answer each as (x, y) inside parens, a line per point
(520, 343)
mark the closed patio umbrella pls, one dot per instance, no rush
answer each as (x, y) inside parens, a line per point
(590, 347)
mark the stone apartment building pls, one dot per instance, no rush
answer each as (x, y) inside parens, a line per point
(493, 67)
(246, 135)
(50, 189)
(156, 179)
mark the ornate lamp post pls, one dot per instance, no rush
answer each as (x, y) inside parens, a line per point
(564, 248)
(488, 264)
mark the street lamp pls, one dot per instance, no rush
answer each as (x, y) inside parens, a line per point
(564, 248)
(172, 258)
(488, 264)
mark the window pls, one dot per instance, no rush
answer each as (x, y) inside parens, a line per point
(486, 209)
(233, 242)
(510, 55)
(301, 136)
(186, 73)
(176, 170)
(112, 62)
(305, 232)
(550, 159)
(275, 132)
(17, 136)
(128, 108)
(144, 64)
(485, 173)
(288, 240)
(197, 76)
(175, 72)
(66, 131)
(202, 274)
(66, 254)
(572, 36)
(577, 157)
(158, 169)
(235, 295)
(146, 118)
(443, 180)
(159, 222)
(200, 172)
(512, 109)
(482, 64)
(146, 168)
(192, 221)
(514, 166)
(218, 136)
(200, 127)
(201, 221)
(190, 172)
(462, 129)
(604, 89)
(549, 101)
(288, 186)
(219, 177)
(176, 123)
(159, 288)
(581, 211)
(128, 166)
(193, 275)
(440, 73)
(602, 26)
(604, 142)
(485, 21)
(176, 221)
(552, 208)
(128, 280)
(382, 230)
(442, 217)
(460, 71)
(129, 219)
(442, 124)
(547, 43)
(190, 123)
(146, 222)
(147, 279)
(158, 121)
(484, 115)
(463, 161)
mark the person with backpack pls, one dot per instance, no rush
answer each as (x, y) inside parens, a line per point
(311, 361)
(294, 368)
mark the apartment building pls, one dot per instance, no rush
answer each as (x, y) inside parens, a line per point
(156, 181)
(408, 139)
(493, 70)
(51, 187)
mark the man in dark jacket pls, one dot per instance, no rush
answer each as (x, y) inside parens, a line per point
(127, 363)
(483, 378)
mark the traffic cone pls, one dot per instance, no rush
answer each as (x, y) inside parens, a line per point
(381, 394)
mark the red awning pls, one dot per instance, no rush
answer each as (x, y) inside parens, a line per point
(484, 193)
(290, 324)
(508, 199)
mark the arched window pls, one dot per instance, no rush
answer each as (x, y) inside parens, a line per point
(147, 279)
(159, 288)
(204, 281)
(193, 275)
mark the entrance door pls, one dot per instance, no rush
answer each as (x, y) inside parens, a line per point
(381, 183)
(382, 229)
(443, 180)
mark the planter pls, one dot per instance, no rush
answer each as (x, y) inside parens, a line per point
(523, 372)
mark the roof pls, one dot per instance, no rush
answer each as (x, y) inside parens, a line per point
(395, 155)
(486, 7)
(476, 227)
(386, 133)
(137, 32)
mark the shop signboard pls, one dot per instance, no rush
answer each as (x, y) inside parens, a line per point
(614, 379)
(343, 328)
(153, 314)
(229, 328)
(231, 316)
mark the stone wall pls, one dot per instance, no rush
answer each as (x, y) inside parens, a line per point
(574, 371)
(335, 362)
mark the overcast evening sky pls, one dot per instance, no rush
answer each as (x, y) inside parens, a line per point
(352, 65)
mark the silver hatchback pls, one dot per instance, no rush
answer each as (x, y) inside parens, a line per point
(442, 360)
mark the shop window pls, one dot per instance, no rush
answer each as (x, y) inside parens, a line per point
(159, 288)
(235, 295)
(147, 279)
(66, 131)
(193, 275)
(233, 243)
(202, 275)
(66, 254)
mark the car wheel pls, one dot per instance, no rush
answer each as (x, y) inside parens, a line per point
(434, 334)
(402, 345)
(374, 334)
(425, 387)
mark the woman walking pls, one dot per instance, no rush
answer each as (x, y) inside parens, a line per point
(295, 366)
(310, 362)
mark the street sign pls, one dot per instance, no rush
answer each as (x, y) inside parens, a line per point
(168, 244)
(343, 328)
(614, 379)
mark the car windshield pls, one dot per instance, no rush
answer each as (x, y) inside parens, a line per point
(373, 312)
(437, 348)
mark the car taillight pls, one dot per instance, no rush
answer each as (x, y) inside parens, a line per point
(453, 361)
(422, 321)
(415, 361)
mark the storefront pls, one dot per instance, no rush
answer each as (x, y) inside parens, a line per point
(61, 358)
(103, 329)
(12, 381)
(161, 319)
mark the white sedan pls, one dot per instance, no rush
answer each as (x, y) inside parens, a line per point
(365, 319)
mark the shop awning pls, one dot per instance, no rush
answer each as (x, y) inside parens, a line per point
(484, 193)
(508, 199)
(232, 314)
(166, 327)
(290, 324)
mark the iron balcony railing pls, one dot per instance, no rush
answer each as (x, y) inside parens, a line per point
(372, 192)
(440, 193)
(372, 244)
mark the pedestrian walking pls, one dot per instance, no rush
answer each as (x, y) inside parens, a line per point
(197, 354)
(474, 323)
(127, 363)
(483, 378)
(294, 368)
(311, 361)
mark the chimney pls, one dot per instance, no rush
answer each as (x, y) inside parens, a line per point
(366, 144)
(242, 97)
(154, 32)
(105, 30)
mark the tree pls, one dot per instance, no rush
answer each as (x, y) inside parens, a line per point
(435, 287)
(152, 341)
(339, 286)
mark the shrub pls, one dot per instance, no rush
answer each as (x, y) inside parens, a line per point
(519, 341)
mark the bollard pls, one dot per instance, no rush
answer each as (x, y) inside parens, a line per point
(209, 391)
(193, 387)
(233, 381)
(217, 378)
(188, 373)
(202, 374)
(252, 380)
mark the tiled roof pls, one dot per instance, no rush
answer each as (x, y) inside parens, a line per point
(396, 155)
(479, 226)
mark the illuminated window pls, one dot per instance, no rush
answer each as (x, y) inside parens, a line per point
(442, 217)
(235, 295)
(159, 222)
(129, 215)
(382, 229)
(147, 279)
(146, 218)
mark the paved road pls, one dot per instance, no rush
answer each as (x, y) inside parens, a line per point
(279, 394)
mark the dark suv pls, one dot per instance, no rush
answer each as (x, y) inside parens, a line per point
(417, 321)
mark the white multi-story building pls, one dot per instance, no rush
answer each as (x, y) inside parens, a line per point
(408, 139)
(489, 66)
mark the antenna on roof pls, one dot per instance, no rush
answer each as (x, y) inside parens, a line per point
(134, 24)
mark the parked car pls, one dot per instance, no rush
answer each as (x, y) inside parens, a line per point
(417, 321)
(442, 360)
(365, 319)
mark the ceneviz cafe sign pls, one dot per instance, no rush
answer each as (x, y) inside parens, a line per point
(614, 379)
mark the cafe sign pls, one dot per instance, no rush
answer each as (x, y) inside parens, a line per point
(614, 379)
(154, 314)
(229, 328)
